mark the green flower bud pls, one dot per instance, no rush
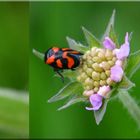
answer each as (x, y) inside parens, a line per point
(96, 83)
(89, 82)
(85, 67)
(89, 72)
(87, 87)
(96, 59)
(105, 65)
(111, 63)
(96, 89)
(89, 63)
(114, 59)
(83, 76)
(97, 67)
(88, 93)
(109, 81)
(108, 54)
(103, 82)
(107, 72)
(87, 52)
(84, 57)
(89, 57)
(93, 52)
(101, 56)
(103, 76)
(95, 76)
(93, 49)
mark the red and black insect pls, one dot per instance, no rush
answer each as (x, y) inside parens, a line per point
(62, 58)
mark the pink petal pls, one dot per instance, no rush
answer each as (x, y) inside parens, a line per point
(116, 73)
(104, 90)
(119, 63)
(126, 37)
(124, 50)
(96, 102)
(109, 44)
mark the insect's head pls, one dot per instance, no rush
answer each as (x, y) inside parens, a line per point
(50, 55)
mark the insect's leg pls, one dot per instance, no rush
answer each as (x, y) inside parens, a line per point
(61, 70)
(61, 76)
(73, 69)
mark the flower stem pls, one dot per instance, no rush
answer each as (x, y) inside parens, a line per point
(131, 105)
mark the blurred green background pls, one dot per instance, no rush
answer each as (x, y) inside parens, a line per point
(14, 45)
(50, 23)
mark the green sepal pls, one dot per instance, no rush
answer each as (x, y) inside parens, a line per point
(113, 36)
(126, 83)
(133, 64)
(91, 39)
(68, 74)
(112, 93)
(73, 100)
(76, 46)
(130, 104)
(71, 88)
(99, 114)
(38, 54)
(110, 25)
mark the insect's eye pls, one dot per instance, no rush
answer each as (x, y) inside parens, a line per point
(49, 53)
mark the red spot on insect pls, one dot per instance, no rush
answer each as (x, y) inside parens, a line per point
(70, 60)
(75, 52)
(66, 49)
(59, 63)
(50, 60)
(55, 49)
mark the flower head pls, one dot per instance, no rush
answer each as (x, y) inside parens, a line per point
(102, 67)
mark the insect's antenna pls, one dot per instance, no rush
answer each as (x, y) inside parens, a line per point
(61, 76)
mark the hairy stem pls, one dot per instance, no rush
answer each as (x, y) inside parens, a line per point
(131, 105)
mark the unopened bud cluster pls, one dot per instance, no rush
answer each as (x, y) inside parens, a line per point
(95, 69)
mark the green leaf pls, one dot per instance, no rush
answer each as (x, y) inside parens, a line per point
(126, 84)
(72, 101)
(69, 89)
(110, 25)
(91, 39)
(133, 64)
(99, 114)
(76, 46)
